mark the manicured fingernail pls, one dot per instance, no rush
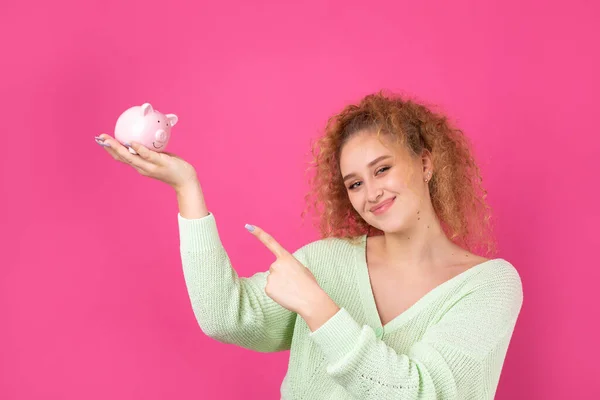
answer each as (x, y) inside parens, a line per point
(103, 144)
(250, 227)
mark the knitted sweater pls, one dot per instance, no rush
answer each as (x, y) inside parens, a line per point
(451, 344)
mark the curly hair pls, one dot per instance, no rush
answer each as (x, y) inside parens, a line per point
(456, 190)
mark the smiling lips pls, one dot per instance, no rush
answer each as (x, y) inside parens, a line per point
(383, 207)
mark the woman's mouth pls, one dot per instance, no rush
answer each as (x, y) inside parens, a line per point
(383, 207)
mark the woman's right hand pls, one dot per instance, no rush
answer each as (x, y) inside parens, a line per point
(165, 167)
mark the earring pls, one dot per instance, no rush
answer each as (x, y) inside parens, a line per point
(428, 176)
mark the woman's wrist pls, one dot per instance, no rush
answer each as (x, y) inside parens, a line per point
(319, 310)
(191, 201)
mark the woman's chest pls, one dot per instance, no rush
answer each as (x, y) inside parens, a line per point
(395, 293)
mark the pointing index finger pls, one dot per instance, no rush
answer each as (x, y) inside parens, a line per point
(268, 241)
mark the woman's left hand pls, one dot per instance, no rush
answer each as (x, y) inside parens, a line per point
(293, 286)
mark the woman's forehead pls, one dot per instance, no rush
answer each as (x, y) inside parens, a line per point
(367, 147)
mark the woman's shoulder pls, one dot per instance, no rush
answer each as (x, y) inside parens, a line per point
(498, 268)
(496, 275)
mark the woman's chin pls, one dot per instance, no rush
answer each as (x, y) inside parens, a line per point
(387, 227)
(392, 224)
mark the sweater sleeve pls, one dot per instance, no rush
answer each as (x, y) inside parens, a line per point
(229, 308)
(459, 357)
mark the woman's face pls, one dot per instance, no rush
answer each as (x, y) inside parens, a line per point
(385, 185)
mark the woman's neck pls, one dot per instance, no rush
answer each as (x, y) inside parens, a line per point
(423, 246)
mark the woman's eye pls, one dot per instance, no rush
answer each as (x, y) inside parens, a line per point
(380, 170)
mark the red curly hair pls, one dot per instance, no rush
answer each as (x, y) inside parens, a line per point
(456, 190)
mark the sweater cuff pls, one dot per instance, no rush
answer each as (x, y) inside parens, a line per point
(198, 234)
(338, 336)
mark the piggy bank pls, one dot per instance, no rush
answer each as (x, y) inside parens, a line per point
(145, 125)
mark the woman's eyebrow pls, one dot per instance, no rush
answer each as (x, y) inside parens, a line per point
(375, 161)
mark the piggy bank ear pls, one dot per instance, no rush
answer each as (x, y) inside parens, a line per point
(172, 119)
(146, 109)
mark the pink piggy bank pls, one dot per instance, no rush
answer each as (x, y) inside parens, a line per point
(145, 125)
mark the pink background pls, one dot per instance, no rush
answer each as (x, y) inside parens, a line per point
(93, 303)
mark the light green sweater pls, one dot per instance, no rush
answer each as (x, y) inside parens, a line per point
(451, 344)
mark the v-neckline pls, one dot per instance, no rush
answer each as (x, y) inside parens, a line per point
(369, 304)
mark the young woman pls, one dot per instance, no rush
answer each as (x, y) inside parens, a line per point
(391, 303)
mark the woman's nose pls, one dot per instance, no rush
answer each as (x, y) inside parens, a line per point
(374, 193)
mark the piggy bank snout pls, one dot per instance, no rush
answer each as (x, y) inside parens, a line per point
(160, 135)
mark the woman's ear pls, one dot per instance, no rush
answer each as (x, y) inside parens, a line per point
(426, 160)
